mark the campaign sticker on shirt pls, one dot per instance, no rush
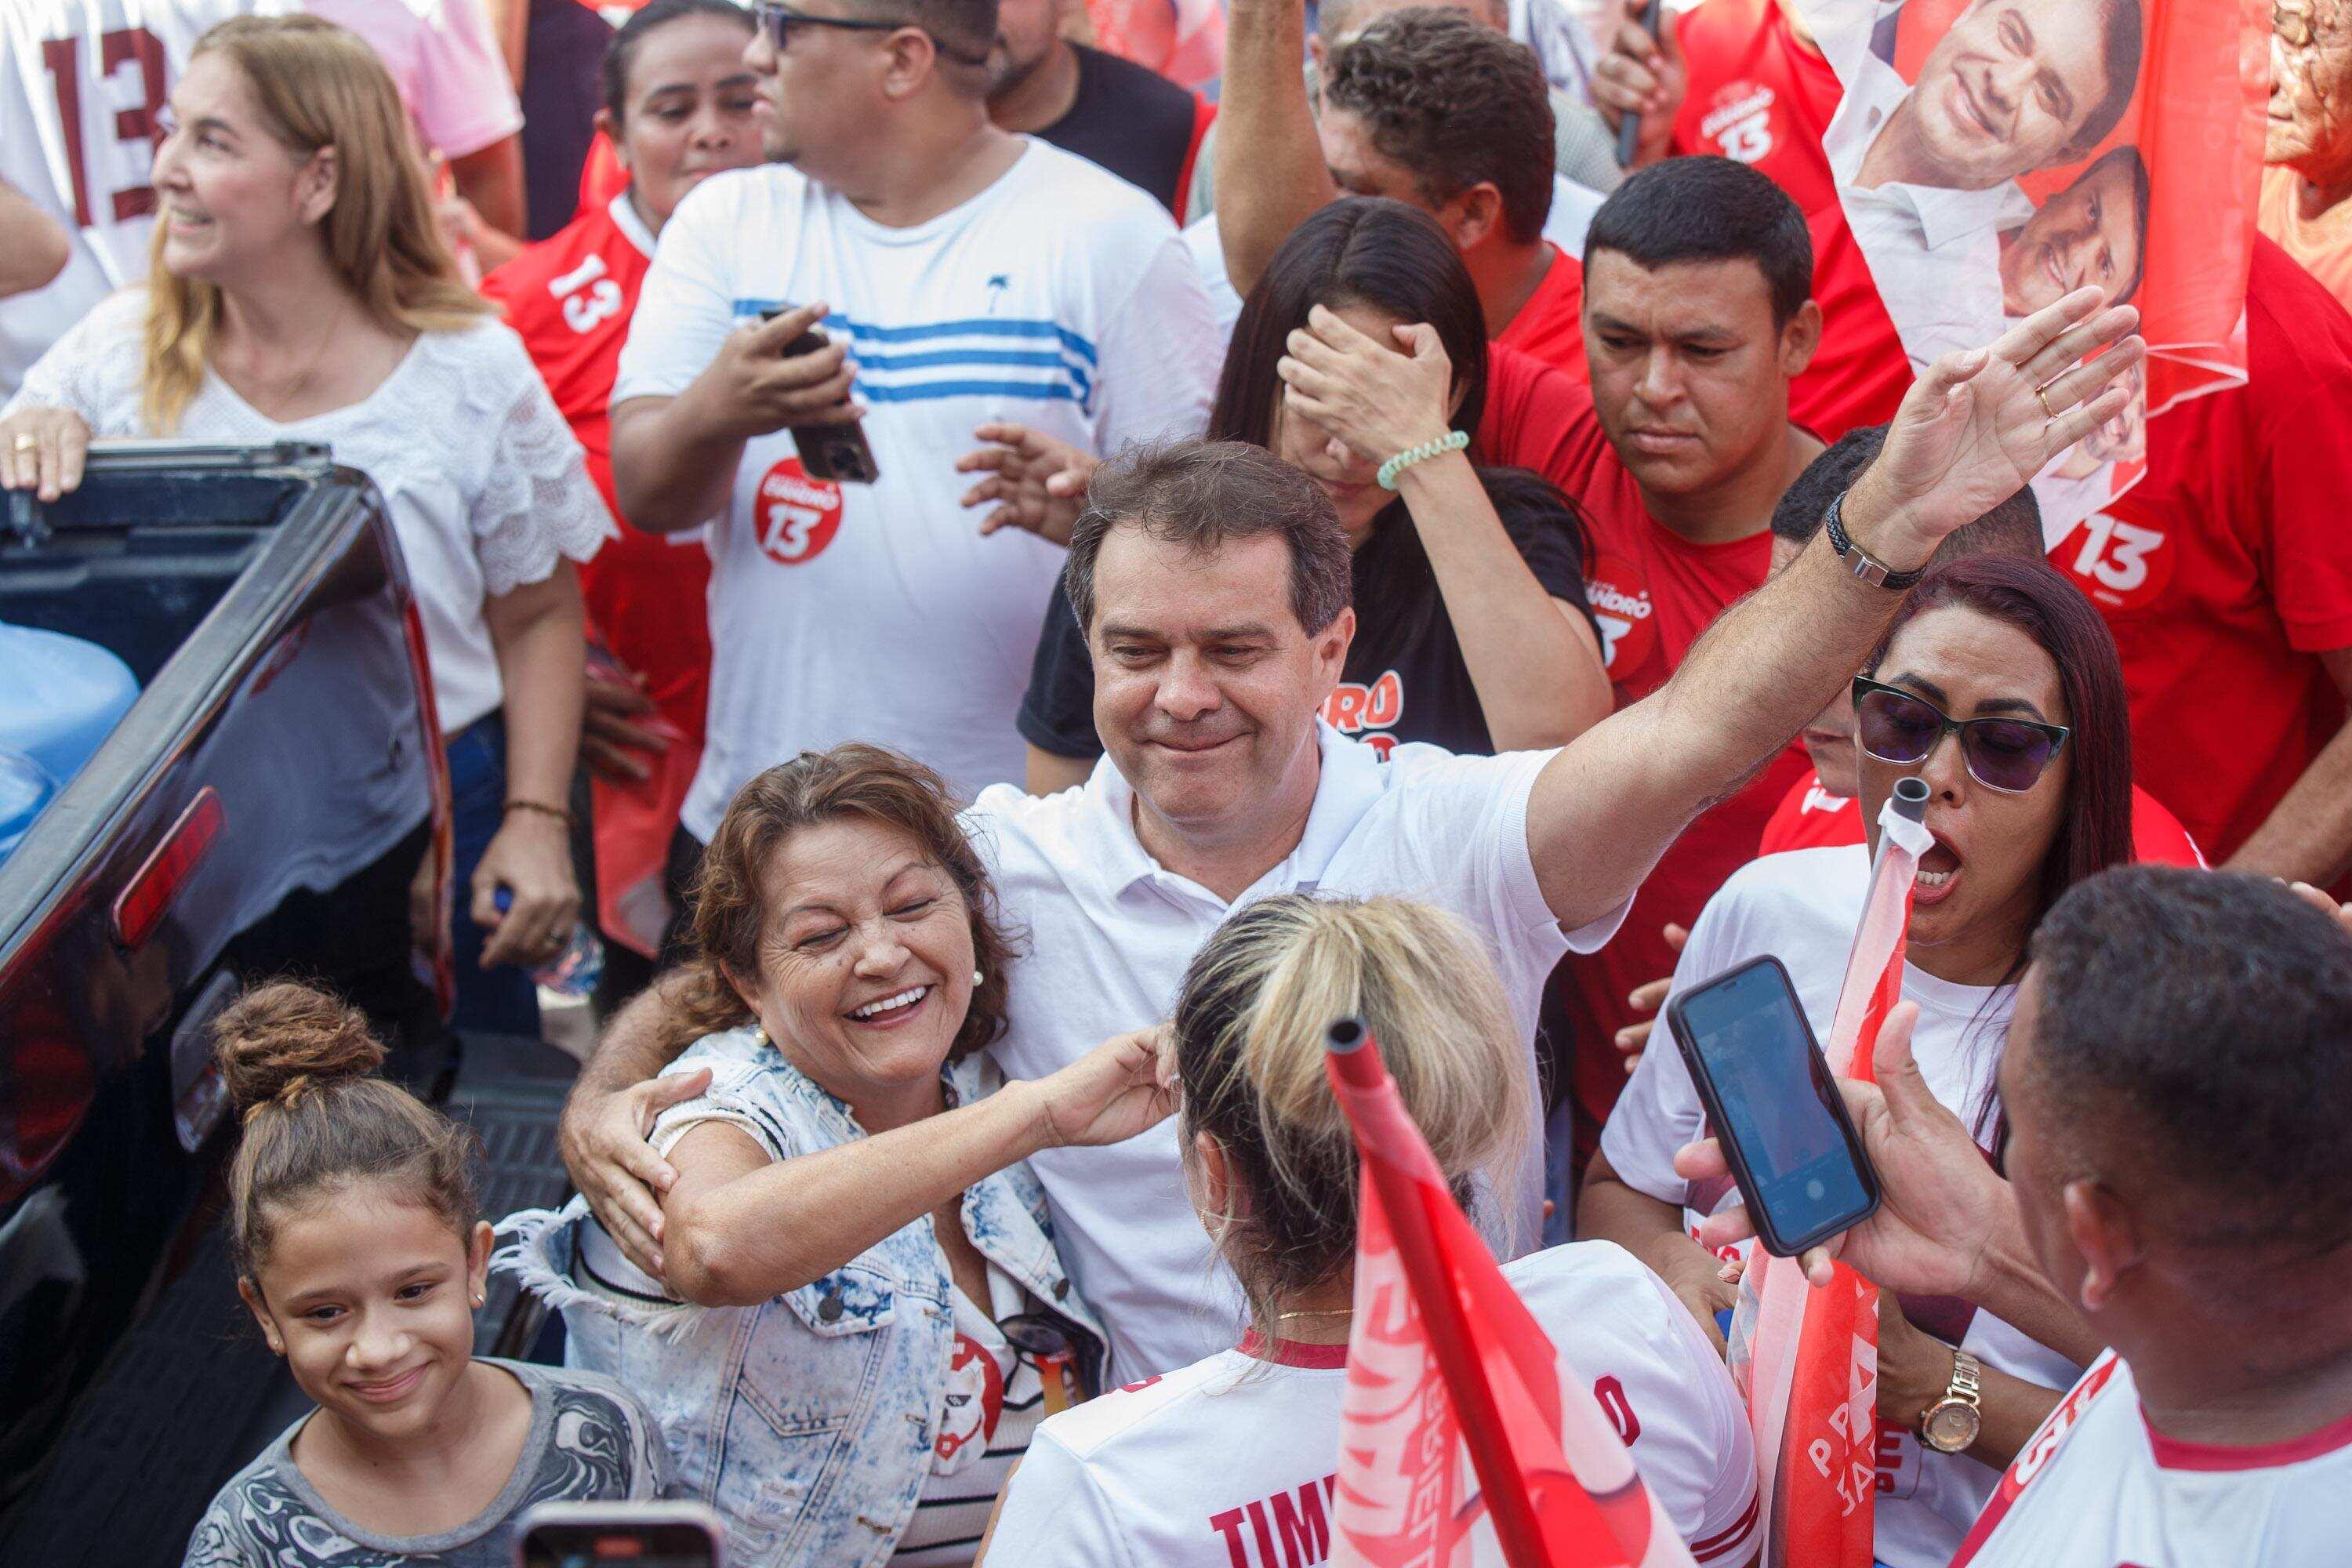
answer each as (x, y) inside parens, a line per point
(796, 516)
(1620, 598)
(1739, 122)
(2121, 565)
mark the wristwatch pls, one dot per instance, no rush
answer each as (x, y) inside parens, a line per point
(1951, 1424)
(1861, 562)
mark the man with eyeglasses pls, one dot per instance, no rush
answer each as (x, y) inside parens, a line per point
(907, 266)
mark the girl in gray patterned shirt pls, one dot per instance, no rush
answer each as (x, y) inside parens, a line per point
(360, 1252)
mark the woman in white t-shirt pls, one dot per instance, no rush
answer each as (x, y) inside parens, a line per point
(1193, 1468)
(2032, 794)
(301, 291)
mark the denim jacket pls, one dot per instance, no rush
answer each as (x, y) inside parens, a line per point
(808, 1420)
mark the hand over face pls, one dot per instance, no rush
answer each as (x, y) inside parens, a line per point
(1377, 399)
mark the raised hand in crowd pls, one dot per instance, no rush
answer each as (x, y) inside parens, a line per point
(1641, 75)
(1035, 482)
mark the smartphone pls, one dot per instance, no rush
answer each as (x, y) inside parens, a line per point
(1773, 1106)
(640, 1534)
(836, 452)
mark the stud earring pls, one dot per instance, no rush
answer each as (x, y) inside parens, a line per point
(975, 977)
(479, 1299)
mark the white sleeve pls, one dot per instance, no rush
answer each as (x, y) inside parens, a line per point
(1160, 351)
(465, 100)
(1054, 1514)
(1660, 1111)
(1696, 1451)
(537, 502)
(687, 307)
(93, 369)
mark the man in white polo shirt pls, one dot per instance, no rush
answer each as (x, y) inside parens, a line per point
(1213, 580)
(963, 276)
(2179, 1103)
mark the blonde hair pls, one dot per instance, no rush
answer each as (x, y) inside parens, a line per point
(1250, 1025)
(318, 85)
(300, 1066)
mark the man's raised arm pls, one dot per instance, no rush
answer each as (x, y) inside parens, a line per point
(1974, 429)
(1269, 162)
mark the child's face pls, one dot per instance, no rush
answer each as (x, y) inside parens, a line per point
(369, 1296)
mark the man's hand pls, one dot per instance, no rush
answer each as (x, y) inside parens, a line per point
(1648, 997)
(618, 720)
(1038, 483)
(1977, 427)
(1644, 76)
(1941, 1204)
(752, 387)
(603, 1140)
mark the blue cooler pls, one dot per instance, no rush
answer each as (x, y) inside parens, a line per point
(61, 696)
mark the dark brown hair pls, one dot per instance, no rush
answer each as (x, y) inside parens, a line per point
(1457, 103)
(300, 1066)
(850, 781)
(1198, 494)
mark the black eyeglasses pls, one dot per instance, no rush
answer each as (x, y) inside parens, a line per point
(780, 20)
(2005, 754)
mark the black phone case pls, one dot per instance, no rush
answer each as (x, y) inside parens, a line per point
(838, 453)
(1767, 1234)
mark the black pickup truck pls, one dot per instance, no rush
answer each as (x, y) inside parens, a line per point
(260, 810)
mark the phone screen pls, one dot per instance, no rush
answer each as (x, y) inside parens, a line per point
(659, 1547)
(1772, 1100)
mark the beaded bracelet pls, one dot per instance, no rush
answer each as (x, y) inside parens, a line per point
(1452, 441)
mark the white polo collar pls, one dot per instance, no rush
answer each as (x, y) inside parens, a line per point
(1943, 215)
(633, 227)
(1348, 782)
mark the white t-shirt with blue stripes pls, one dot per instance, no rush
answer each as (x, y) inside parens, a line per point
(1059, 298)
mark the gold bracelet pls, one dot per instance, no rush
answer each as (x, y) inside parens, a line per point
(556, 812)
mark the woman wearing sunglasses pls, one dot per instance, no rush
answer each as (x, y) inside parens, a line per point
(1999, 686)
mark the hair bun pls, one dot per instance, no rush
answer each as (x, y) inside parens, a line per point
(282, 1037)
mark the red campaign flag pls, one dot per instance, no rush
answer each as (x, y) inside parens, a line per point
(1807, 1360)
(1444, 1357)
(1991, 157)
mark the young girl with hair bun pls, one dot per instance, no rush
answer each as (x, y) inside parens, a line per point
(360, 1252)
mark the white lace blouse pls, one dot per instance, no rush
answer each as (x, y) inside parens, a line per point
(485, 483)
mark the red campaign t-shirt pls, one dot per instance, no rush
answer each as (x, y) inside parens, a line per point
(1533, 420)
(1652, 593)
(2230, 566)
(1761, 96)
(1810, 817)
(1551, 325)
(569, 297)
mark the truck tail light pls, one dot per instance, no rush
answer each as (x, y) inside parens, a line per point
(140, 907)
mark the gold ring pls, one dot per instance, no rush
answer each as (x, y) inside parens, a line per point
(27, 441)
(2041, 394)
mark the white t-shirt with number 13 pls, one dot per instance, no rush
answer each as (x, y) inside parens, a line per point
(1059, 298)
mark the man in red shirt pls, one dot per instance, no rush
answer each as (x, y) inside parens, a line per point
(1744, 79)
(1428, 108)
(1698, 318)
(2226, 575)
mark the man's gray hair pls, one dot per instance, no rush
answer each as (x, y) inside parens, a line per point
(1198, 494)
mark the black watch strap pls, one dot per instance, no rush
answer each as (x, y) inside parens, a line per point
(1860, 562)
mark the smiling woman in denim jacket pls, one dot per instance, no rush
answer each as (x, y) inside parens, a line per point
(861, 1316)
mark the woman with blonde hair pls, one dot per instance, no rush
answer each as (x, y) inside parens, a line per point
(1185, 1469)
(300, 290)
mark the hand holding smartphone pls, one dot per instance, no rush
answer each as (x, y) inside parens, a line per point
(1774, 1107)
(610, 1534)
(839, 453)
